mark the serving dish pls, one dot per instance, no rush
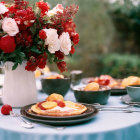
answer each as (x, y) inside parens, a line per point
(60, 86)
(134, 92)
(91, 97)
(116, 90)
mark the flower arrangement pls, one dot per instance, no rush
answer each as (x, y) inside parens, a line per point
(37, 34)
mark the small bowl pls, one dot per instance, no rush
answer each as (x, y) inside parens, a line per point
(60, 86)
(91, 97)
(134, 92)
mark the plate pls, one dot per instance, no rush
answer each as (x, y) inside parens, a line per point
(115, 91)
(86, 116)
(90, 111)
(126, 99)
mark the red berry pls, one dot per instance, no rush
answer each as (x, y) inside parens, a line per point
(59, 55)
(62, 66)
(72, 50)
(60, 103)
(5, 110)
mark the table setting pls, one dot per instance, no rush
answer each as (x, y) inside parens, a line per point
(118, 118)
(38, 104)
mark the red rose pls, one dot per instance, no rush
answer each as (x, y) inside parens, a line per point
(7, 44)
(62, 66)
(72, 50)
(31, 66)
(42, 34)
(59, 55)
(69, 27)
(43, 6)
(42, 60)
(75, 38)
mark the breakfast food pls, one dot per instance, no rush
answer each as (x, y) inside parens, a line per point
(54, 97)
(37, 73)
(107, 80)
(92, 87)
(40, 72)
(55, 77)
(131, 80)
(55, 105)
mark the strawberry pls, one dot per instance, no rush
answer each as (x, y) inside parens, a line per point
(60, 103)
(5, 110)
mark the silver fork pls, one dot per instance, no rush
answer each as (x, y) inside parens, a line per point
(99, 106)
(27, 124)
(24, 123)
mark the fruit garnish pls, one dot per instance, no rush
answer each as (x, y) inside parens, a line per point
(40, 105)
(58, 77)
(55, 96)
(5, 110)
(92, 87)
(49, 105)
(104, 82)
(60, 103)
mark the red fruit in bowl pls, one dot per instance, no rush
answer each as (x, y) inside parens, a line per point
(5, 110)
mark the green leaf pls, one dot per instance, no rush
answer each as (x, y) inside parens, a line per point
(22, 54)
(15, 66)
(34, 49)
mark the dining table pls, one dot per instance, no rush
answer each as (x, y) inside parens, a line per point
(106, 125)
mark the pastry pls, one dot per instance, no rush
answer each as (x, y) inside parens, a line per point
(55, 96)
(57, 107)
(92, 87)
(37, 73)
(55, 77)
(131, 80)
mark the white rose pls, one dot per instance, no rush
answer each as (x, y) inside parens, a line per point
(52, 40)
(57, 8)
(65, 43)
(10, 26)
(3, 9)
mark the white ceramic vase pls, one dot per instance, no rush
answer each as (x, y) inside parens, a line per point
(19, 86)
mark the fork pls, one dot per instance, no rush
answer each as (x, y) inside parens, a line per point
(24, 123)
(27, 124)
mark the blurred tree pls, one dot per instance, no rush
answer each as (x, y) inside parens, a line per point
(119, 66)
(126, 19)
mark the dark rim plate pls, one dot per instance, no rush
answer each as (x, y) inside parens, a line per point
(90, 111)
(58, 122)
(126, 99)
(118, 91)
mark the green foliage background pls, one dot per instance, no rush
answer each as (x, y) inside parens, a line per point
(104, 29)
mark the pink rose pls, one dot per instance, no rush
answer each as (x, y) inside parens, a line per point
(3, 9)
(10, 26)
(65, 43)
